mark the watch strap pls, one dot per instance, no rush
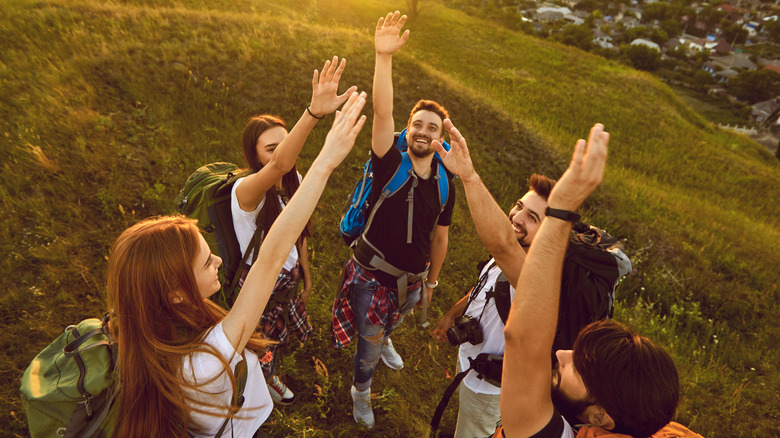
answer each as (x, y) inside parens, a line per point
(566, 215)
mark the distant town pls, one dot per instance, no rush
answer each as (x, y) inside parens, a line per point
(724, 54)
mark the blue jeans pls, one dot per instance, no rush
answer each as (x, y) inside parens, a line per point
(372, 337)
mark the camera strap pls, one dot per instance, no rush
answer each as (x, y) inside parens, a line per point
(488, 368)
(480, 284)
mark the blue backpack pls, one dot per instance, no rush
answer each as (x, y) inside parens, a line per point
(358, 213)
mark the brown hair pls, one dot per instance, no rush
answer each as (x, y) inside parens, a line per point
(632, 378)
(271, 210)
(149, 264)
(541, 184)
(428, 105)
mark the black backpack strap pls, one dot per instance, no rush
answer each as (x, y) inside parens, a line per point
(240, 374)
(445, 399)
(488, 368)
(502, 297)
(253, 248)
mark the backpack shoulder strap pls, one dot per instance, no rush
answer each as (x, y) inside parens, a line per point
(444, 185)
(503, 297)
(445, 399)
(488, 368)
(399, 178)
(240, 374)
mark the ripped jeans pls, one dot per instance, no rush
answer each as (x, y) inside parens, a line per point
(371, 337)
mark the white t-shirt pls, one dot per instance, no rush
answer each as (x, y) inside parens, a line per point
(216, 389)
(492, 330)
(244, 225)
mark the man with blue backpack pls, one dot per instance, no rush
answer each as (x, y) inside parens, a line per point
(404, 240)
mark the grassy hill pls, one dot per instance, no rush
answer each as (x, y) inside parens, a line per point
(107, 107)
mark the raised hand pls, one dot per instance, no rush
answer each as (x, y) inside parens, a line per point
(341, 137)
(584, 173)
(324, 88)
(457, 160)
(386, 39)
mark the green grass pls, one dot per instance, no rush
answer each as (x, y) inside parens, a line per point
(107, 107)
(713, 109)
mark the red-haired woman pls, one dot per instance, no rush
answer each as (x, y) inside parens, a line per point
(177, 349)
(271, 153)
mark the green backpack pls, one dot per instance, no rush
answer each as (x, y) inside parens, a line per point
(68, 390)
(206, 197)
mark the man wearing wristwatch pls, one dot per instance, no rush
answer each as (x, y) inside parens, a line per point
(406, 239)
(488, 303)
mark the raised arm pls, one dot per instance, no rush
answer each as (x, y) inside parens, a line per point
(241, 321)
(324, 100)
(386, 43)
(526, 405)
(303, 253)
(493, 227)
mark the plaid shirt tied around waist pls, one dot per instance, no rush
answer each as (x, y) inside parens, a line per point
(282, 318)
(383, 309)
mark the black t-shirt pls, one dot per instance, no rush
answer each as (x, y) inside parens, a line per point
(389, 227)
(557, 427)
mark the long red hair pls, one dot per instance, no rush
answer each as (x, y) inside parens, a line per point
(150, 264)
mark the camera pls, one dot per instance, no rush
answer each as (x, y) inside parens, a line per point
(465, 329)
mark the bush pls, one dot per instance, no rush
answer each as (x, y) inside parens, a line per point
(755, 86)
(576, 35)
(641, 57)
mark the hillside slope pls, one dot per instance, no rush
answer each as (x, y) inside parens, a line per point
(106, 107)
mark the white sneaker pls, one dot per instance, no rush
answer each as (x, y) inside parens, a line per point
(390, 357)
(280, 393)
(361, 407)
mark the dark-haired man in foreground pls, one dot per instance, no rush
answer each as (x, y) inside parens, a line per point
(613, 379)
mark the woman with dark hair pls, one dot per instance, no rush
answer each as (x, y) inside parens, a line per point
(177, 349)
(257, 200)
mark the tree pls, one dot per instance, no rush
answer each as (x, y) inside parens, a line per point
(414, 8)
(655, 11)
(577, 35)
(586, 5)
(754, 86)
(671, 27)
(634, 33)
(641, 57)
(659, 36)
(701, 80)
(735, 34)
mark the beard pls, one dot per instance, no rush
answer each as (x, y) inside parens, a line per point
(569, 408)
(521, 238)
(421, 151)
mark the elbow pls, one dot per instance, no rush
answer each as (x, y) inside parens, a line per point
(510, 337)
(501, 251)
(281, 166)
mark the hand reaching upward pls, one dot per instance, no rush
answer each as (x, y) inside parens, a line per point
(325, 87)
(457, 160)
(584, 173)
(386, 39)
(341, 137)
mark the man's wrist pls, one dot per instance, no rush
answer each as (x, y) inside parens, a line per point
(431, 286)
(565, 215)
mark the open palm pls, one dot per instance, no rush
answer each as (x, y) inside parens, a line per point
(386, 38)
(325, 86)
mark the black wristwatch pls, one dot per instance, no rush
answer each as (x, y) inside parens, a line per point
(566, 215)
